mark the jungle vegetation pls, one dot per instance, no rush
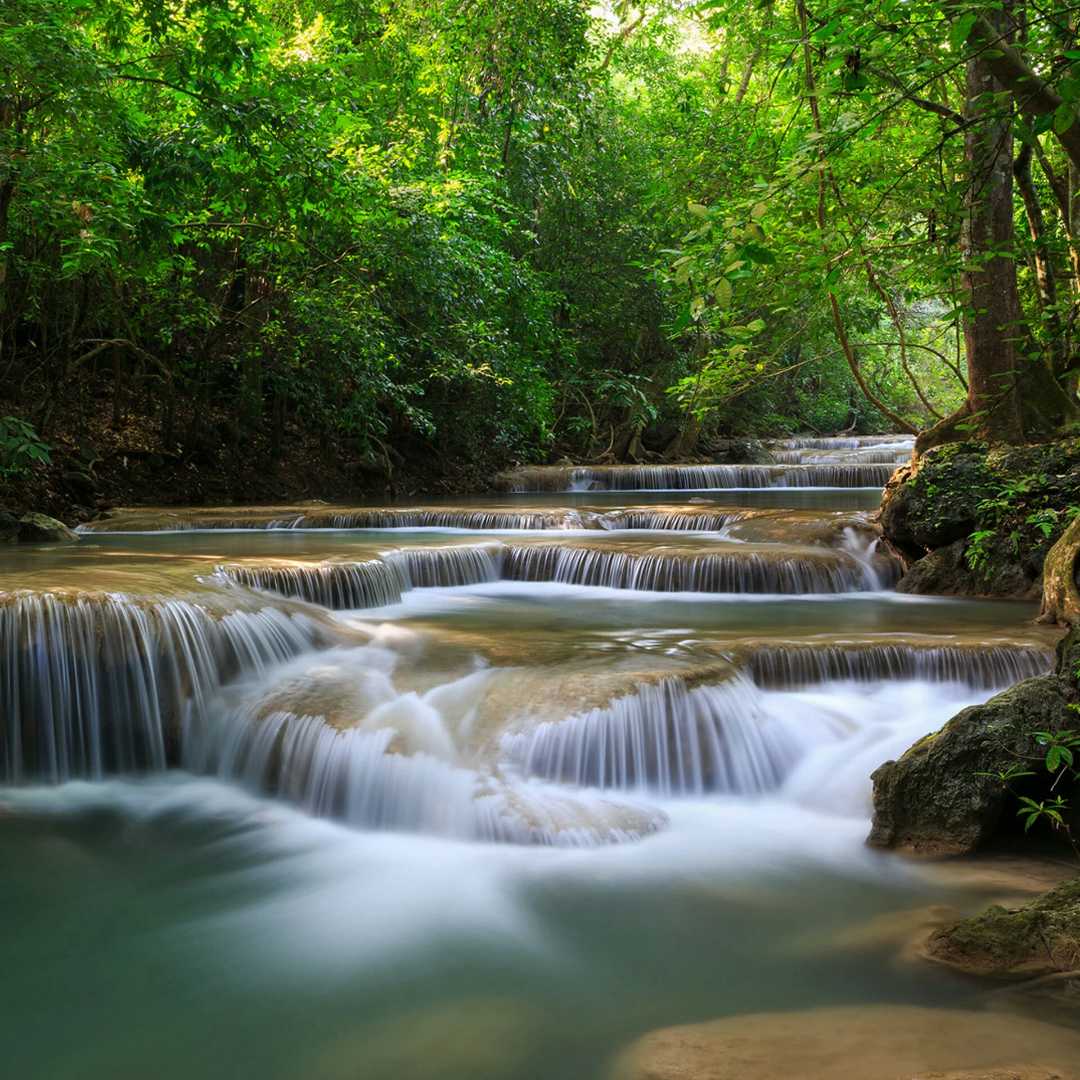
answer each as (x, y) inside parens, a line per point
(508, 231)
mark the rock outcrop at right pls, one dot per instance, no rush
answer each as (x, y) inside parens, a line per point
(943, 796)
(978, 521)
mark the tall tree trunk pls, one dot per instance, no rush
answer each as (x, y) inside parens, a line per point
(992, 319)
(1045, 276)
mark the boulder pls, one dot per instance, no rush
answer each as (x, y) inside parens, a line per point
(935, 502)
(936, 799)
(1040, 938)
(42, 529)
(1014, 497)
(945, 572)
(1061, 594)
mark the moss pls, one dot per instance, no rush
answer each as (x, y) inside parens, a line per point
(1040, 938)
(943, 797)
(995, 512)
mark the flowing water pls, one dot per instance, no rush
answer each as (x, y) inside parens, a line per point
(472, 791)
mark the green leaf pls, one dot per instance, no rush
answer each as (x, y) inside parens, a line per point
(723, 293)
(960, 30)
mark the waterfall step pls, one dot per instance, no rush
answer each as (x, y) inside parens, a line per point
(721, 568)
(660, 517)
(567, 478)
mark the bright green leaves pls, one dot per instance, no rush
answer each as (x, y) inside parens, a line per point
(961, 29)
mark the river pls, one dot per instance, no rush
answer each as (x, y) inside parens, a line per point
(471, 791)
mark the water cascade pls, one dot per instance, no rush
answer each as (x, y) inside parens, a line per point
(983, 667)
(247, 675)
(692, 477)
(811, 571)
(100, 683)
(378, 582)
(674, 740)
(379, 758)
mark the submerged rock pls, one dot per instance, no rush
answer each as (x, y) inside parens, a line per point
(943, 796)
(876, 1042)
(1040, 938)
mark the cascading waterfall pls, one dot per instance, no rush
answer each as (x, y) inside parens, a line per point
(839, 442)
(821, 571)
(871, 456)
(673, 740)
(983, 667)
(387, 518)
(281, 699)
(96, 684)
(692, 477)
(377, 582)
(372, 583)
(400, 762)
(427, 568)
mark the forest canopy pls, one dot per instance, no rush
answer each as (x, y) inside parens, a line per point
(505, 231)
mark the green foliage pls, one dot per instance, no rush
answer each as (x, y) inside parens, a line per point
(494, 229)
(21, 448)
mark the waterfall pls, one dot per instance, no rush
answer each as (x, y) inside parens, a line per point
(96, 684)
(821, 571)
(338, 585)
(446, 567)
(674, 740)
(692, 477)
(381, 759)
(672, 520)
(377, 582)
(983, 667)
(840, 442)
(873, 456)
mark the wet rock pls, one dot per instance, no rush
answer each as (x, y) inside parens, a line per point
(1061, 594)
(42, 529)
(945, 572)
(1040, 938)
(1015, 498)
(935, 503)
(937, 800)
(9, 528)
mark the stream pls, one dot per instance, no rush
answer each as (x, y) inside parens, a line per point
(471, 791)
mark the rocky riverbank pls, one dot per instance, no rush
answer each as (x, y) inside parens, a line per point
(980, 522)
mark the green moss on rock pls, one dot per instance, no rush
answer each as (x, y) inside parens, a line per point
(1040, 938)
(1016, 497)
(937, 798)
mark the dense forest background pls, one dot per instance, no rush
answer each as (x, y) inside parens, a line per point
(264, 248)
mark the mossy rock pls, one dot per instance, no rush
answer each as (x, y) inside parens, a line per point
(740, 452)
(934, 506)
(934, 502)
(9, 528)
(945, 572)
(937, 799)
(1040, 938)
(42, 529)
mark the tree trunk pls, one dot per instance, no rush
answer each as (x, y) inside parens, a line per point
(992, 319)
(1061, 598)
